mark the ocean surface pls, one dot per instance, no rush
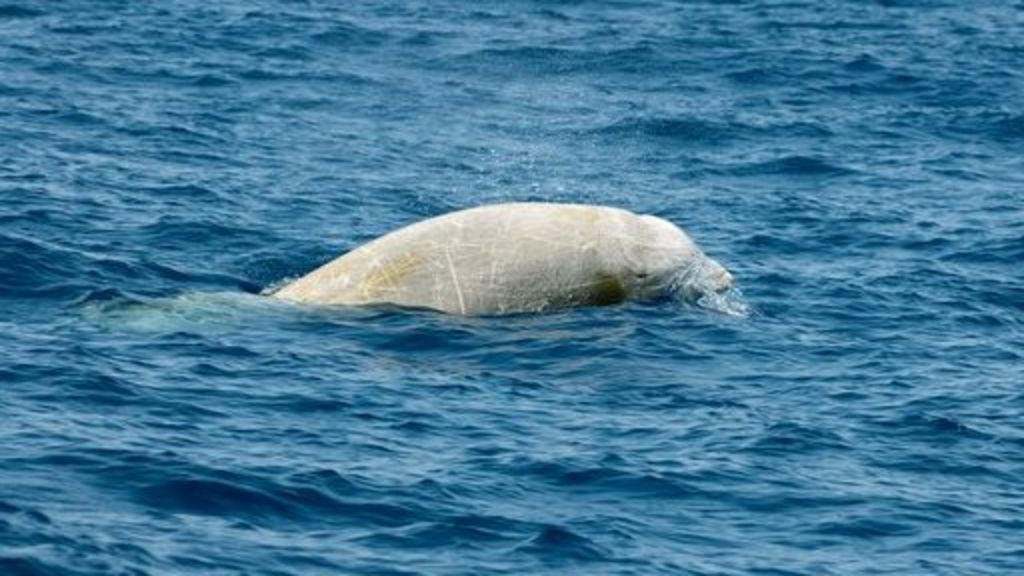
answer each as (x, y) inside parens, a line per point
(859, 167)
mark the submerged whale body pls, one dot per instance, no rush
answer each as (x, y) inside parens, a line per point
(520, 257)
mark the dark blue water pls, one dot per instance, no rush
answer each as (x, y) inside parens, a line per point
(859, 166)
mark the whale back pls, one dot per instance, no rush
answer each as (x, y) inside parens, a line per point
(504, 258)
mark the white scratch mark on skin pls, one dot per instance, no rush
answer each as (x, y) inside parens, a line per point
(455, 280)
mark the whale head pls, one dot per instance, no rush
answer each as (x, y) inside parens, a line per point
(660, 259)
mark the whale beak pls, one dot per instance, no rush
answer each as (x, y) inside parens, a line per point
(719, 279)
(724, 281)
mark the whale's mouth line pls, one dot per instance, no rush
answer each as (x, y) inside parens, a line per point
(695, 279)
(708, 285)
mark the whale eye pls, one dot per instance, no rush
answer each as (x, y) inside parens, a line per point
(641, 275)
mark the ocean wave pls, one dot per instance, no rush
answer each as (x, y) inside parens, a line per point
(856, 165)
(792, 166)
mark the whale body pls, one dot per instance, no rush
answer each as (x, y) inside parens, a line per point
(514, 258)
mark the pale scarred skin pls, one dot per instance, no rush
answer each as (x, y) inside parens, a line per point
(519, 257)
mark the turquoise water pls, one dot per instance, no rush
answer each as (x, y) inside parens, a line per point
(858, 166)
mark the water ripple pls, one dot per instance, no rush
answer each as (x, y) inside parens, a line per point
(856, 165)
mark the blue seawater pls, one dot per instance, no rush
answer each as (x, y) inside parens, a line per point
(859, 166)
